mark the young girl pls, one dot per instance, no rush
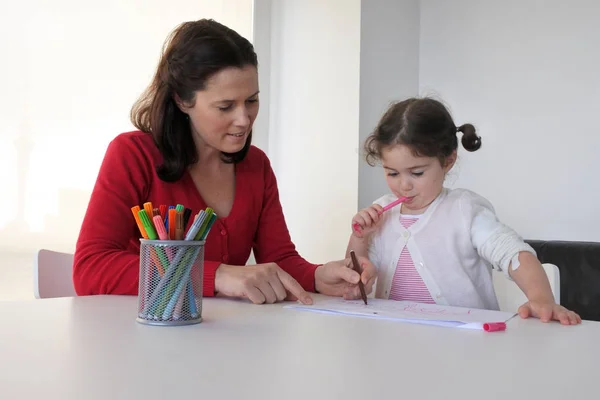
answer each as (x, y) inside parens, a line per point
(438, 245)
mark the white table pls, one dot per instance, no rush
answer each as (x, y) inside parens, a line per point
(90, 348)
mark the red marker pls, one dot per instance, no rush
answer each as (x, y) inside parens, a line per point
(394, 203)
(494, 326)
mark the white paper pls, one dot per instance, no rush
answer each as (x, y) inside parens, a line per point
(407, 311)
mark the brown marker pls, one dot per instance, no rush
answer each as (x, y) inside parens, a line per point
(357, 268)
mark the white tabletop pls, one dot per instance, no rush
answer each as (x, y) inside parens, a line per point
(92, 348)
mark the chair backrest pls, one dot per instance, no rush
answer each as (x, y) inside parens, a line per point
(53, 275)
(510, 296)
(579, 264)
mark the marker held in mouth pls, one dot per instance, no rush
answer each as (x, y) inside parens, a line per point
(394, 203)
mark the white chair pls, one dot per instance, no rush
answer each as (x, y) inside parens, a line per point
(53, 275)
(510, 296)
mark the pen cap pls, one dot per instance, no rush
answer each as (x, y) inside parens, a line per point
(170, 282)
(494, 326)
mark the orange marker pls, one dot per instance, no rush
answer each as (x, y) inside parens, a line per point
(172, 223)
(149, 209)
(135, 210)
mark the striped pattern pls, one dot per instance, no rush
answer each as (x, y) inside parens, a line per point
(407, 283)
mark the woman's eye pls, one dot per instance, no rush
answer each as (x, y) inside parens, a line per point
(225, 108)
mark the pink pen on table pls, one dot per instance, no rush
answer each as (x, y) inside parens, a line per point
(394, 203)
(494, 326)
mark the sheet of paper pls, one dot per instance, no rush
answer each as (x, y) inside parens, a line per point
(470, 318)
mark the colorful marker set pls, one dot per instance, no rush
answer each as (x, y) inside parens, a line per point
(162, 223)
(166, 289)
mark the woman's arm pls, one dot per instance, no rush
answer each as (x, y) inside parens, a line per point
(281, 273)
(273, 242)
(102, 263)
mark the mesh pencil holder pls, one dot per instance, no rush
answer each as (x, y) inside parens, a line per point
(170, 287)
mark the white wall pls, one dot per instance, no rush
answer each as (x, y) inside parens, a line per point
(261, 27)
(70, 72)
(526, 73)
(389, 70)
(313, 130)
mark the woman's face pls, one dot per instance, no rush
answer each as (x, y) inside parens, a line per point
(224, 112)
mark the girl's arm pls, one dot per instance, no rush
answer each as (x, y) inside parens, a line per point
(362, 242)
(359, 245)
(364, 224)
(502, 247)
(531, 278)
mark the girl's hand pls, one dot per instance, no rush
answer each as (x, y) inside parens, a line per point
(365, 221)
(548, 311)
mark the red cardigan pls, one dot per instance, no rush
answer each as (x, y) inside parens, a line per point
(107, 251)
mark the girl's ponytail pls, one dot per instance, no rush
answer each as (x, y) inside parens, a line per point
(470, 140)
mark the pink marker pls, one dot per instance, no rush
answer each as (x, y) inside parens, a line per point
(160, 227)
(394, 203)
(494, 326)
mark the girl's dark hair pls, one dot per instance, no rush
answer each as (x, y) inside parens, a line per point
(423, 124)
(192, 53)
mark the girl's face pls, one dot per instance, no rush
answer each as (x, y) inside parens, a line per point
(420, 179)
(224, 112)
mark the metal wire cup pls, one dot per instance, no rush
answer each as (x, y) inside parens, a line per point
(170, 287)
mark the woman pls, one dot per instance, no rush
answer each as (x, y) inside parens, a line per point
(193, 147)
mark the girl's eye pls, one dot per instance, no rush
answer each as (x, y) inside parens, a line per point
(252, 100)
(392, 174)
(418, 173)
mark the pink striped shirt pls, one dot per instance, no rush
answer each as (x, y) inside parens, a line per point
(407, 284)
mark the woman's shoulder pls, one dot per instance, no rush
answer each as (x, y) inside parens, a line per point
(256, 159)
(256, 153)
(132, 140)
(135, 145)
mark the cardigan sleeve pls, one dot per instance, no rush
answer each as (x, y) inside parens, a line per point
(495, 242)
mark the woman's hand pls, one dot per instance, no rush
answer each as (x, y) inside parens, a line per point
(365, 221)
(337, 278)
(548, 311)
(262, 283)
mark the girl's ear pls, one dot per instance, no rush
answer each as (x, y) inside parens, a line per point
(450, 160)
